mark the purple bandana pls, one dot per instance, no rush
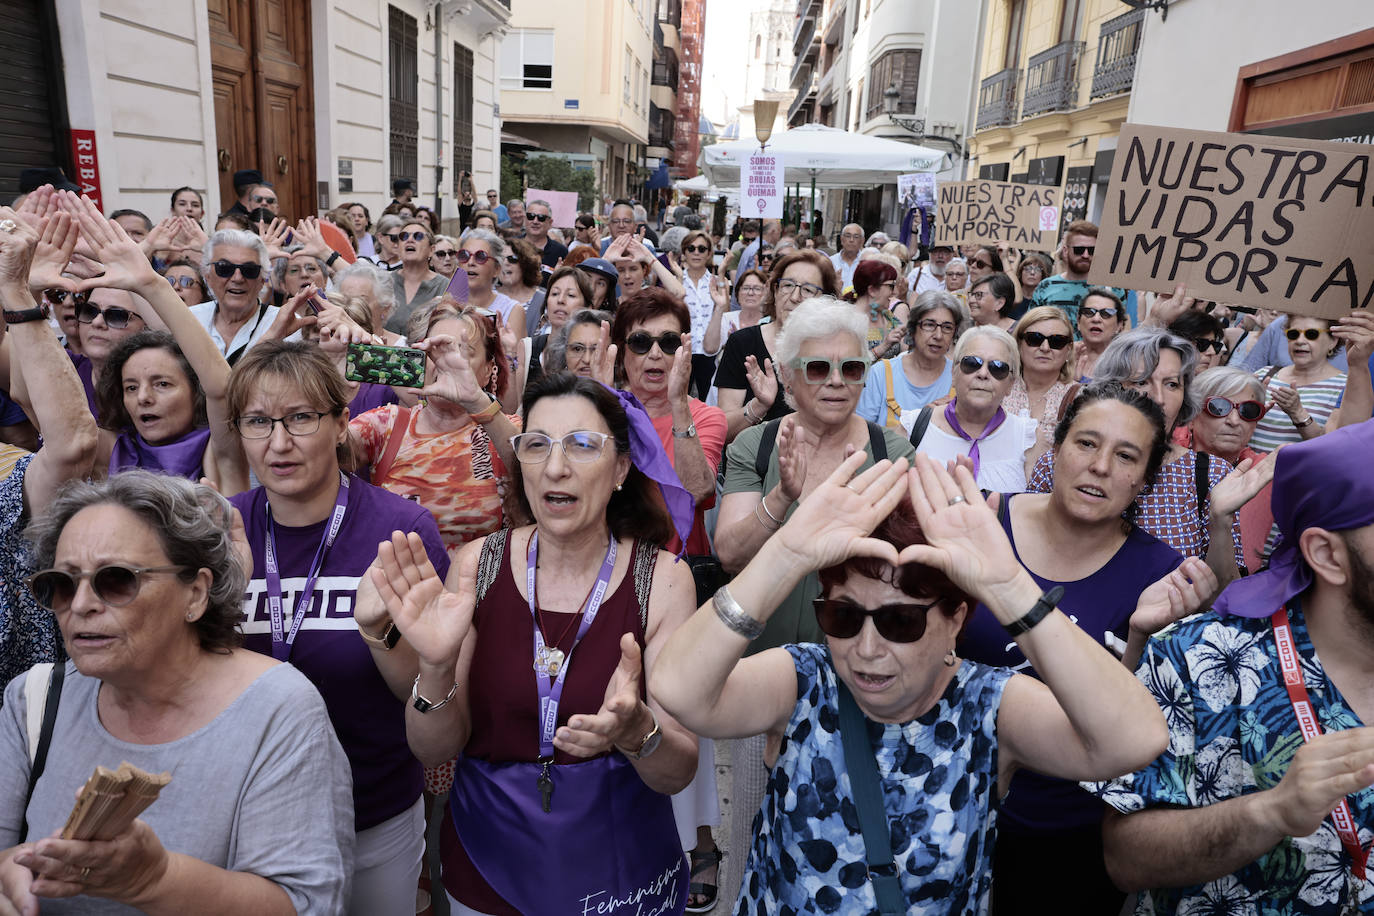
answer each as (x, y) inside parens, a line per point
(997, 420)
(1319, 483)
(647, 454)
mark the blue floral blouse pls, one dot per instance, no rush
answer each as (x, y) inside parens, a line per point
(938, 774)
(28, 634)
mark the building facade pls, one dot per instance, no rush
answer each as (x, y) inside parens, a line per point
(329, 99)
(686, 141)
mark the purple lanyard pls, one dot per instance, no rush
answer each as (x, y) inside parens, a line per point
(550, 665)
(997, 420)
(281, 647)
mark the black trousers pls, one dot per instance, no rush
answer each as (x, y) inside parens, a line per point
(1052, 872)
(703, 372)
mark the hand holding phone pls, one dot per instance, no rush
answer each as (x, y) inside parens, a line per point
(401, 367)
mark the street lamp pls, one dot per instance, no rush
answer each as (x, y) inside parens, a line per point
(892, 96)
(765, 113)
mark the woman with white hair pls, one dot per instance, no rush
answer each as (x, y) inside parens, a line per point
(1000, 446)
(389, 241)
(373, 288)
(235, 267)
(482, 255)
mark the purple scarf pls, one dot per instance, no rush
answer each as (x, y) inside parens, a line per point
(1319, 483)
(647, 454)
(182, 457)
(997, 420)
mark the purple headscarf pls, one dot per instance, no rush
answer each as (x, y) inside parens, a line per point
(1320, 483)
(647, 454)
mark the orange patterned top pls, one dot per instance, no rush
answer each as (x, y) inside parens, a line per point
(456, 475)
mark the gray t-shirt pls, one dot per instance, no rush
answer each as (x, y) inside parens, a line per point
(263, 788)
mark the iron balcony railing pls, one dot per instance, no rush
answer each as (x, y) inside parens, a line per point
(1117, 46)
(997, 99)
(1052, 79)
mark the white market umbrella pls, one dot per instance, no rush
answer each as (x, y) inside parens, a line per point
(827, 156)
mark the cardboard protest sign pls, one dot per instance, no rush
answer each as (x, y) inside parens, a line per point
(562, 203)
(987, 212)
(1271, 222)
(762, 180)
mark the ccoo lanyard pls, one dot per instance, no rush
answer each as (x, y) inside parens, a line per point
(1307, 721)
(281, 646)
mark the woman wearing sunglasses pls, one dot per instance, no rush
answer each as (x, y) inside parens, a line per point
(1033, 267)
(570, 613)
(186, 281)
(875, 285)
(444, 257)
(1001, 446)
(702, 292)
(1120, 584)
(1101, 317)
(1044, 337)
(521, 274)
(1306, 392)
(1207, 333)
(415, 284)
(944, 734)
(389, 241)
(235, 267)
(141, 574)
(983, 263)
(313, 531)
(481, 256)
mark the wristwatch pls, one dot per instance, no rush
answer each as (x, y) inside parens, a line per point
(424, 705)
(689, 433)
(387, 641)
(38, 313)
(649, 744)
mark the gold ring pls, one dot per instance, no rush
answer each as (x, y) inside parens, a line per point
(8, 225)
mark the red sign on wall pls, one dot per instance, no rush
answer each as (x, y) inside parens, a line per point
(87, 165)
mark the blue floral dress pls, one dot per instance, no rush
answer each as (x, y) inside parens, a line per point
(28, 634)
(938, 775)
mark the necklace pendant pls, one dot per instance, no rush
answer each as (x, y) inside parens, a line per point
(554, 662)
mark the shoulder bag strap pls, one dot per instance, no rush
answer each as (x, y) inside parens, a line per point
(766, 443)
(1273, 371)
(399, 425)
(39, 751)
(1065, 401)
(894, 410)
(877, 442)
(1204, 485)
(918, 429)
(489, 561)
(862, 767)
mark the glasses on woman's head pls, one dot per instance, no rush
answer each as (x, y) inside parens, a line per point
(115, 316)
(582, 445)
(182, 282)
(641, 342)
(933, 327)
(115, 585)
(789, 288)
(1309, 333)
(477, 257)
(301, 423)
(1056, 341)
(413, 236)
(817, 370)
(1203, 344)
(844, 619)
(1087, 311)
(997, 368)
(1250, 411)
(250, 270)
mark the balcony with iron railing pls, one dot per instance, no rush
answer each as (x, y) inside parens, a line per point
(997, 99)
(806, 95)
(665, 72)
(1118, 44)
(805, 35)
(807, 11)
(661, 126)
(670, 11)
(1051, 82)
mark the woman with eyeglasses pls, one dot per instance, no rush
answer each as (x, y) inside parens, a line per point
(903, 385)
(748, 376)
(701, 292)
(443, 259)
(1207, 333)
(141, 574)
(990, 300)
(482, 256)
(389, 241)
(883, 697)
(567, 615)
(984, 263)
(570, 293)
(313, 531)
(1101, 316)
(751, 288)
(1119, 585)
(235, 268)
(873, 295)
(520, 273)
(415, 284)
(974, 425)
(1306, 392)
(956, 276)
(576, 347)
(1045, 341)
(1033, 267)
(185, 279)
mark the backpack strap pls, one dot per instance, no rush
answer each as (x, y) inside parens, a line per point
(894, 410)
(1201, 473)
(767, 442)
(489, 561)
(45, 679)
(399, 425)
(877, 442)
(918, 430)
(867, 791)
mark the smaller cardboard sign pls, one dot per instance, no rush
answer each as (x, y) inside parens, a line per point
(761, 180)
(562, 203)
(987, 212)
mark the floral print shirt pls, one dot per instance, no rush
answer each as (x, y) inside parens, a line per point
(28, 634)
(1232, 732)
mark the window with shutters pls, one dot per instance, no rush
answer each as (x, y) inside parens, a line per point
(462, 115)
(527, 59)
(402, 35)
(901, 69)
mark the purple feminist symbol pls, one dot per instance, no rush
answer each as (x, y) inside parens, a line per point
(763, 205)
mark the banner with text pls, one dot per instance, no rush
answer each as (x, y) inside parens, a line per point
(762, 181)
(987, 212)
(1272, 222)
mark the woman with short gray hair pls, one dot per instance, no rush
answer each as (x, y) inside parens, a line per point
(482, 255)
(905, 384)
(142, 574)
(235, 266)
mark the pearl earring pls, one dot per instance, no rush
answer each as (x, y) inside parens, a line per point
(950, 658)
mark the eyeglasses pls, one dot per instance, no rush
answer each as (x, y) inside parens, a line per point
(582, 446)
(1250, 411)
(115, 316)
(392, 237)
(844, 619)
(444, 253)
(622, 221)
(1081, 250)
(817, 370)
(301, 423)
(787, 288)
(1086, 311)
(1204, 344)
(264, 200)
(115, 585)
(697, 249)
(538, 217)
(978, 295)
(752, 288)
(58, 296)
(1033, 269)
(935, 327)
(582, 351)
(998, 369)
(477, 257)
(250, 270)
(1309, 333)
(414, 236)
(642, 342)
(1056, 341)
(182, 282)
(981, 265)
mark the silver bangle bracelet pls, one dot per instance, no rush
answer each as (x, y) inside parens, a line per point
(776, 521)
(733, 616)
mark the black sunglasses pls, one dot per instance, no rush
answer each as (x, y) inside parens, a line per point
(998, 369)
(538, 217)
(642, 342)
(58, 296)
(183, 282)
(844, 619)
(1309, 333)
(251, 270)
(115, 585)
(115, 316)
(1057, 341)
(1204, 344)
(392, 237)
(415, 236)
(1087, 311)
(699, 249)
(1250, 411)
(1081, 250)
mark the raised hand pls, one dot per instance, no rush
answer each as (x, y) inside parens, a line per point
(618, 249)
(434, 620)
(192, 237)
(274, 236)
(1288, 400)
(795, 444)
(1242, 484)
(337, 328)
(1324, 771)
(623, 719)
(454, 380)
(835, 520)
(160, 238)
(720, 293)
(1356, 331)
(1167, 308)
(309, 236)
(294, 314)
(17, 254)
(510, 342)
(603, 370)
(126, 266)
(1181, 593)
(763, 382)
(680, 375)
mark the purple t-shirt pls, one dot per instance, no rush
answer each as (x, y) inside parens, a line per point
(86, 372)
(1102, 603)
(370, 397)
(367, 717)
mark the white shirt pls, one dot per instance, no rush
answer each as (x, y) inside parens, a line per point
(249, 333)
(697, 295)
(923, 280)
(1001, 456)
(845, 269)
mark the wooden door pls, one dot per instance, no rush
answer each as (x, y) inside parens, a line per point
(260, 58)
